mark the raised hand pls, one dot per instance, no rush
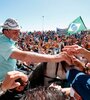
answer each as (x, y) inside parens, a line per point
(10, 80)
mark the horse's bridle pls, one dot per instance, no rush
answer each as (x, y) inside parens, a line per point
(54, 79)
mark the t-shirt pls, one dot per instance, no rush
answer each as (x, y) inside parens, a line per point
(7, 46)
(80, 82)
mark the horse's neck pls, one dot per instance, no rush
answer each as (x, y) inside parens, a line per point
(51, 69)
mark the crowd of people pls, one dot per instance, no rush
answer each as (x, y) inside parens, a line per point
(37, 48)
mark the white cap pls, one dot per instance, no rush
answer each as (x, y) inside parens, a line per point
(11, 24)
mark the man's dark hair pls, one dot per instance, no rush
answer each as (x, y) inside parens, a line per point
(43, 93)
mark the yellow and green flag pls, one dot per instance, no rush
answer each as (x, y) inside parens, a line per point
(76, 26)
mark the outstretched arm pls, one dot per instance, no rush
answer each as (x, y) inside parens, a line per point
(77, 50)
(27, 56)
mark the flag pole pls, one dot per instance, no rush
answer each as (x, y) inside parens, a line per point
(83, 22)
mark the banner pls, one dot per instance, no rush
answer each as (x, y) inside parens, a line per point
(76, 26)
(61, 31)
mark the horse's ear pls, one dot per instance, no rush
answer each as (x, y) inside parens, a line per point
(44, 64)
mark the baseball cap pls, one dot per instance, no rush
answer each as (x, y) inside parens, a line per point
(11, 24)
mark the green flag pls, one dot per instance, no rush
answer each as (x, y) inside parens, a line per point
(76, 26)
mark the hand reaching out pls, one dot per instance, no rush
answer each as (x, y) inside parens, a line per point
(10, 80)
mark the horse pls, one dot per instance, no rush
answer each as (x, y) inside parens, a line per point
(43, 75)
(48, 72)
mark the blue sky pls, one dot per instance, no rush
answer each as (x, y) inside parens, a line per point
(57, 13)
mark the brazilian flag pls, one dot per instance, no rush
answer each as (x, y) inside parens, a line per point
(76, 26)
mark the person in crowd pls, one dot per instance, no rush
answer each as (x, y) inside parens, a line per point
(9, 53)
(79, 80)
(45, 93)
